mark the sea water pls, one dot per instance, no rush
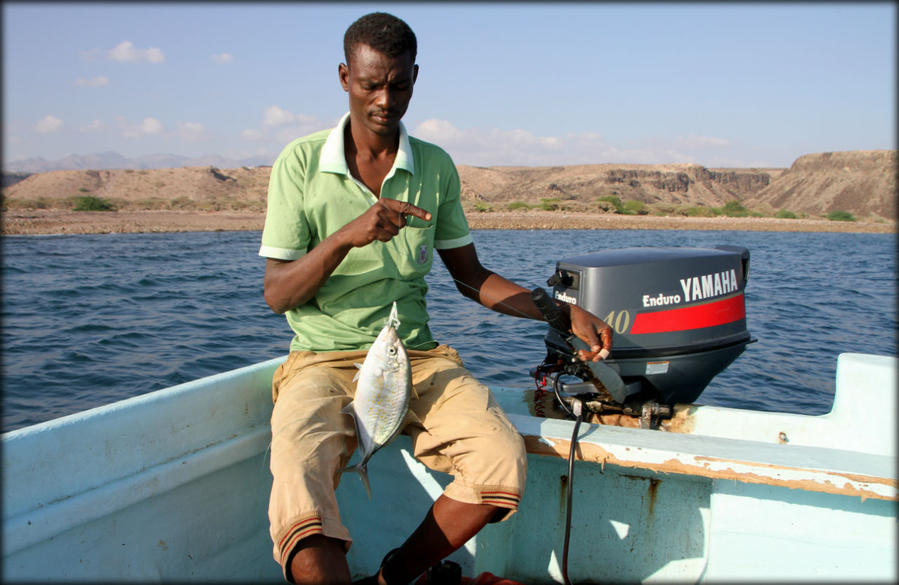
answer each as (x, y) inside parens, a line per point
(92, 319)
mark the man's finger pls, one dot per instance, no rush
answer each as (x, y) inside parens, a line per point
(406, 208)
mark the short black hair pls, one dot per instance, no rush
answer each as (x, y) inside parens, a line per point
(382, 32)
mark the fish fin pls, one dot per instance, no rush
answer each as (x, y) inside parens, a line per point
(358, 371)
(348, 409)
(361, 469)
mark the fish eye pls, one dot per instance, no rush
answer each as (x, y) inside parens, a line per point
(391, 350)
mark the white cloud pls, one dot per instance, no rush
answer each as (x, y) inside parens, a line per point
(275, 116)
(48, 124)
(192, 131)
(493, 146)
(693, 141)
(99, 81)
(94, 126)
(151, 126)
(148, 126)
(252, 134)
(126, 52)
(280, 126)
(509, 147)
(223, 58)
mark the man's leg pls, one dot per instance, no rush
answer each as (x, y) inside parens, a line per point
(463, 431)
(311, 442)
(448, 525)
(320, 560)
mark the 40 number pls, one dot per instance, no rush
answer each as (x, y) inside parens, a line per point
(620, 321)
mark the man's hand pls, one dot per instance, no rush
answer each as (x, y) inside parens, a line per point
(289, 284)
(382, 221)
(593, 331)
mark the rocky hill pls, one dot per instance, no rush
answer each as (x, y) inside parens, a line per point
(206, 188)
(860, 182)
(675, 184)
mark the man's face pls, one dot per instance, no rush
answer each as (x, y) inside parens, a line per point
(379, 87)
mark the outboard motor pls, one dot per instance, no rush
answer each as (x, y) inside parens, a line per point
(678, 315)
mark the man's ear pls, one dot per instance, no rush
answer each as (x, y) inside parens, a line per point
(414, 73)
(343, 73)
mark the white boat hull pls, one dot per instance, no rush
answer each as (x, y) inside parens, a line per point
(173, 485)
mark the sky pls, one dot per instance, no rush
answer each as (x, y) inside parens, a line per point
(716, 84)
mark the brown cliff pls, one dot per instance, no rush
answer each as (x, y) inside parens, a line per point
(860, 182)
(673, 184)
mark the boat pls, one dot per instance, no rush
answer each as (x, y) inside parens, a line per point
(173, 486)
(642, 484)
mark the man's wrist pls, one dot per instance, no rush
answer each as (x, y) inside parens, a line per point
(564, 307)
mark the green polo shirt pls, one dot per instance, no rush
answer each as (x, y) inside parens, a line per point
(312, 194)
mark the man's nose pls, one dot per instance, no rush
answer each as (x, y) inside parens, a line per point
(385, 99)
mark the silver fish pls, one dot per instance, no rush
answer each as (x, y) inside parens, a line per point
(384, 385)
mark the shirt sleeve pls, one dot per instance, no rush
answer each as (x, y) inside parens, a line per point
(286, 235)
(452, 227)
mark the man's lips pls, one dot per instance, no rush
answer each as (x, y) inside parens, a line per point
(384, 117)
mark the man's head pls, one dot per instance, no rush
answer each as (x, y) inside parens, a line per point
(382, 32)
(379, 72)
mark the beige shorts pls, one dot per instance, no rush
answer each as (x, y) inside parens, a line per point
(455, 424)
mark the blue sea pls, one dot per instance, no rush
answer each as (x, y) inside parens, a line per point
(92, 319)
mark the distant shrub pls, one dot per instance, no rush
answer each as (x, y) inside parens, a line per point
(549, 203)
(91, 203)
(734, 209)
(613, 199)
(633, 207)
(840, 215)
(182, 202)
(482, 207)
(150, 203)
(83, 190)
(699, 212)
(515, 205)
(662, 208)
(785, 214)
(39, 203)
(208, 205)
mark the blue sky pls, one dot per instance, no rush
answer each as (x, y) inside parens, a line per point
(718, 84)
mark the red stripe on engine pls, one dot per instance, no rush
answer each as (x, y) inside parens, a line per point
(705, 315)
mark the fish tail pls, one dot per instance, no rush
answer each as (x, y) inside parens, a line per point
(361, 469)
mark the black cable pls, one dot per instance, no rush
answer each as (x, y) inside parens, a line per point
(580, 416)
(559, 396)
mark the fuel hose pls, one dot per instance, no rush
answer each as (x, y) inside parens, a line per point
(557, 320)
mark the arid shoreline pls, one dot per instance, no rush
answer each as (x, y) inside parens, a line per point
(18, 222)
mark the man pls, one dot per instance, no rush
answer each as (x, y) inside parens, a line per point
(354, 215)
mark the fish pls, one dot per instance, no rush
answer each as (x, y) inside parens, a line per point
(383, 390)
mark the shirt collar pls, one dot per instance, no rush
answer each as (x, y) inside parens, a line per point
(333, 160)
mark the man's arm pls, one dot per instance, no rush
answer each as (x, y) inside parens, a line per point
(501, 295)
(292, 283)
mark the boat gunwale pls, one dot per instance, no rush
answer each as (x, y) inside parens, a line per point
(872, 476)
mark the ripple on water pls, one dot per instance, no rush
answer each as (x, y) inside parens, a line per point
(88, 320)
